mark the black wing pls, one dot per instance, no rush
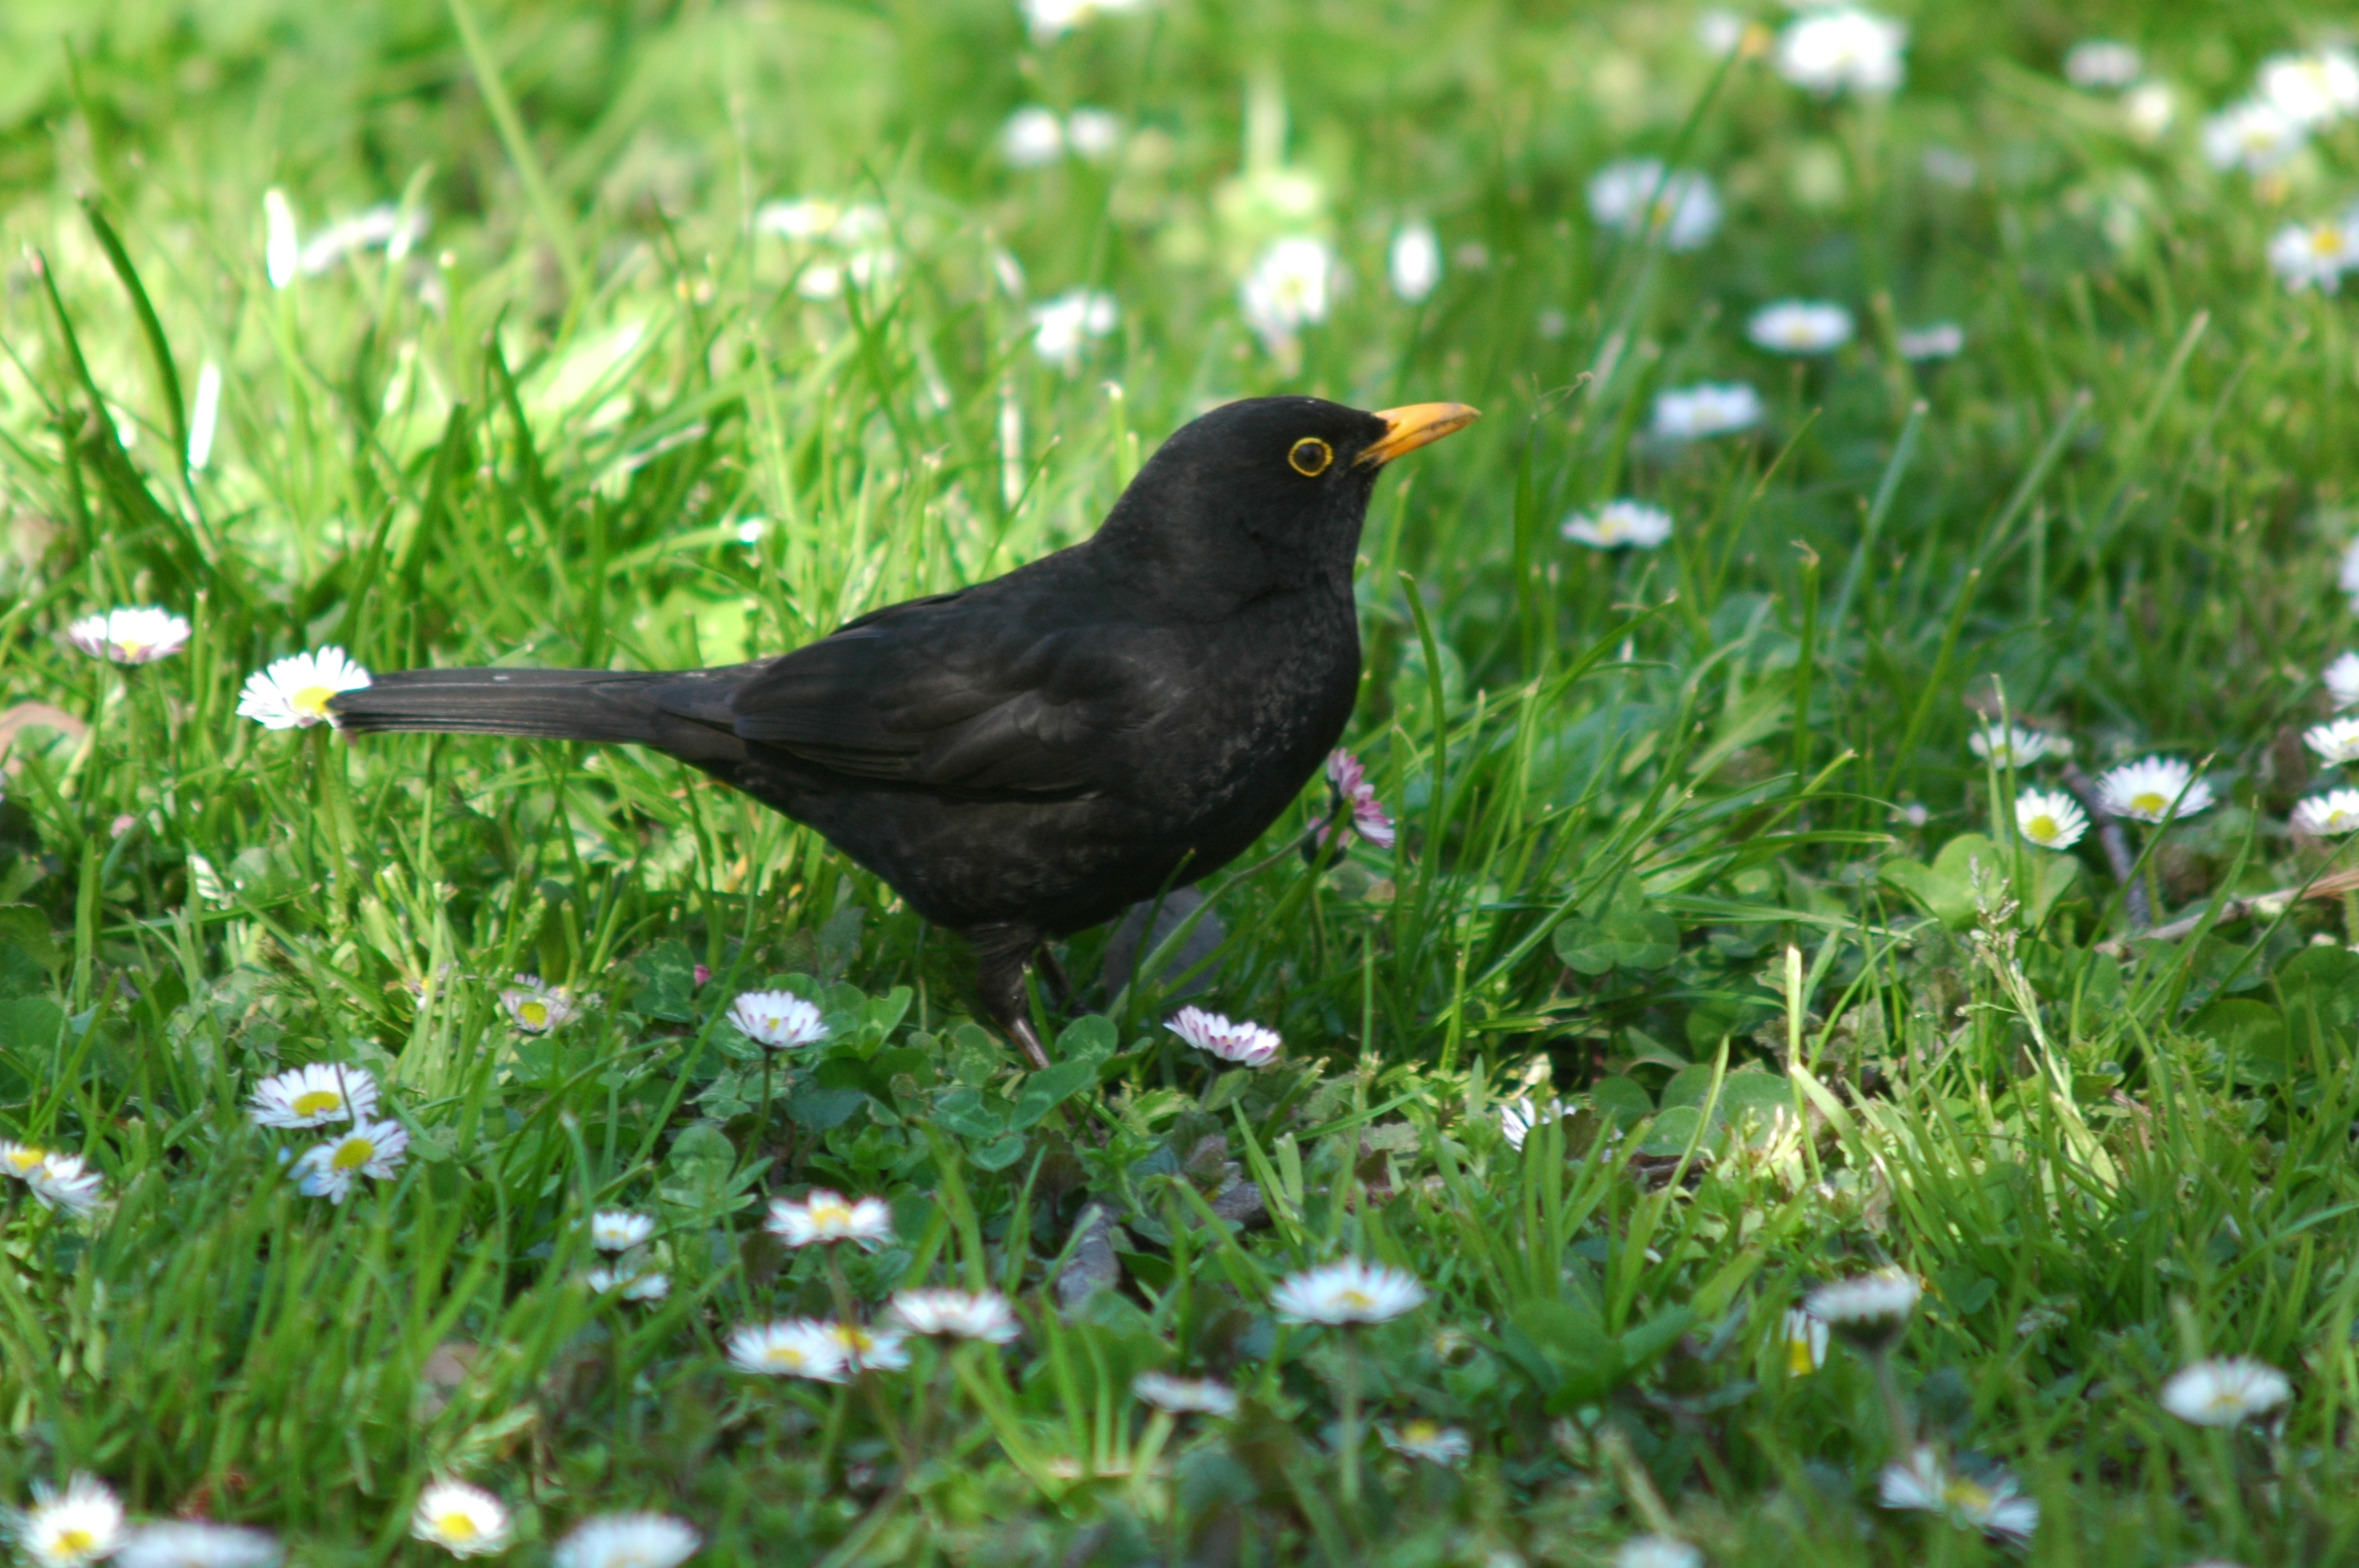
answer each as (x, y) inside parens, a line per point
(989, 694)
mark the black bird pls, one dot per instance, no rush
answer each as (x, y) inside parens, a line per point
(1030, 756)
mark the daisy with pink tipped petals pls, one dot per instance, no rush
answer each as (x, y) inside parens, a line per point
(333, 1169)
(130, 636)
(70, 1528)
(824, 1218)
(1348, 777)
(1347, 1294)
(464, 1521)
(1246, 1044)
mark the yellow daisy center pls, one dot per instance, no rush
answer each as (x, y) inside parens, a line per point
(1359, 1300)
(2043, 827)
(456, 1527)
(1421, 1432)
(1967, 1497)
(130, 648)
(783, 1356)
(2337, 819)
(2148, 801)
(856, 1340)
(1799, 1362)
(312, 699)
(313, 1102)
(23, 1160)
(2325, 241)
(831, 1216)
(534, 1013)
(353, 1153)
(72, 1542)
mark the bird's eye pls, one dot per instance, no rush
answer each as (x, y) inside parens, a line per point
(1310, 456)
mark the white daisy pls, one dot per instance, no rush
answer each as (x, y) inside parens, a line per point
(2255, 135)
(794, 1347)
(1633, 195)
(1093, 133)
(2328, 815)
(1347, 1293)
(2311, 90)
(957, 1315)
(194, 1543)
(1719, 32)
(2102, 62)
(1840, 48)
(1942, 341)
(2012, 746)
(620, 1229)
(293, 692)
(1799, 326)
(1618, 525)
(627, 1540)
(1184, 1396)
(779, 1019)
(464, 1521)
(1708, 409)
(1995, 1508)
(313, 1095)
(1063, 327)
(535, 1008)
(870, 1349)
(1288, 289)
(2336, 741)
(1032, 137)
(1657, 1551)
(2342, 681)
(824, 1218)
(1244, 1042)
(2225, 1392)
(66, 1182)
(2050, 818)
(1429, 1441)
(71, 1527)
(1520, 1114)
(2347, 575)
(633, 1278)
(2315, 255)
(130, 636)
(1413, 266)
(20, 1160)
(1805, 1338)
(2144, 789)
(330, 1170)
(1870, 1309)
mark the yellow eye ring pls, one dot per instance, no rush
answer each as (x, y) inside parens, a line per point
(1310, 456)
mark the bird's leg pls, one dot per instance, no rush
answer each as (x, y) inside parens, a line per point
(1052, 975)
(1002, 953)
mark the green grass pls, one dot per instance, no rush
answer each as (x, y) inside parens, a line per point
(1658, 809)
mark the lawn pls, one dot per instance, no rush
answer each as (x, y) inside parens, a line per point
(1833, 1037)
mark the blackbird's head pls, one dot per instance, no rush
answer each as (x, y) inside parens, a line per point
(1266, 492)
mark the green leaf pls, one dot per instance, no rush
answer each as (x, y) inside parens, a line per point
(1090, 1038)
(1622, 1102)
(1939, 897)
(1051, 1087)
(821, 1109)
(26, 928)
(30, 1023)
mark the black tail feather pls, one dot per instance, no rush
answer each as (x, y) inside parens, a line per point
(555, 705)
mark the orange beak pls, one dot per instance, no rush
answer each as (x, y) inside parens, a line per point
(1418, 425)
